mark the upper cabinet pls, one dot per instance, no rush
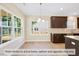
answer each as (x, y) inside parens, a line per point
(78, 22)
(58, 21)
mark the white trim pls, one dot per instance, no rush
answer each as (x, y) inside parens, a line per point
(1, 7)
(7, 43)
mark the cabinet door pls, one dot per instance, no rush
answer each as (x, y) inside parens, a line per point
(58, 22)
(77, 22)
(58, 38)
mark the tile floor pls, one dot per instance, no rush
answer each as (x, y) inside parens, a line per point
(42, 45)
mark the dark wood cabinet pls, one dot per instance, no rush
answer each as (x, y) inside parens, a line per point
(72, 44)
(78, 22)
(58, 38)
(76, 34)
(58, 21)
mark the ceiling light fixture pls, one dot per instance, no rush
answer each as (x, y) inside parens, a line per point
(43, 20)
(61, 9)
(40, 18)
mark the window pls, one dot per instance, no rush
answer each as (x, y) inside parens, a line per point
(7, 29)
(17, 24)
(40, 27)
(34, 26)
(0, 35)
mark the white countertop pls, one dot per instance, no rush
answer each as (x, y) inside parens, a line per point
(63, 30)
(73, 37)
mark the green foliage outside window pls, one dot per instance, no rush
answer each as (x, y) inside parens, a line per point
(17, 22)
(17, 31)
(6, 31)
(6, 20)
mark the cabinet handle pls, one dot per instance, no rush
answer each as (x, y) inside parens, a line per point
(73, 43)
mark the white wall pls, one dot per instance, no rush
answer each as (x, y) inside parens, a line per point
(72, 22)
(36, 37)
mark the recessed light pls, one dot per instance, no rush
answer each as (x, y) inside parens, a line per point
(43, 20)
(61, 8)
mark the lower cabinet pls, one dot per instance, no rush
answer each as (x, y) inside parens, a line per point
(72, 44)
(58, 38)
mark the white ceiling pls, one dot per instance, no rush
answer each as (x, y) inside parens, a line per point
(48, 9)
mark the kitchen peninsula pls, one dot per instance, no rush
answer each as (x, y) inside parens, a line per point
(72, 42)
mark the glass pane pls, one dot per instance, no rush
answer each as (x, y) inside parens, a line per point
(9, 21)
(17, 22)
(17, 31)
(40, 27)
(34, 27)
(6, 31)
(6, 34)
(4, 21)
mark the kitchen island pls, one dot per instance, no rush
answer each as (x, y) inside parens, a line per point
(72, 42)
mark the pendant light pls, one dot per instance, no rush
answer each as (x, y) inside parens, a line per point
(40, 18)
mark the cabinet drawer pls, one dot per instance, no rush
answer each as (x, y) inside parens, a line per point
(58, 38)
